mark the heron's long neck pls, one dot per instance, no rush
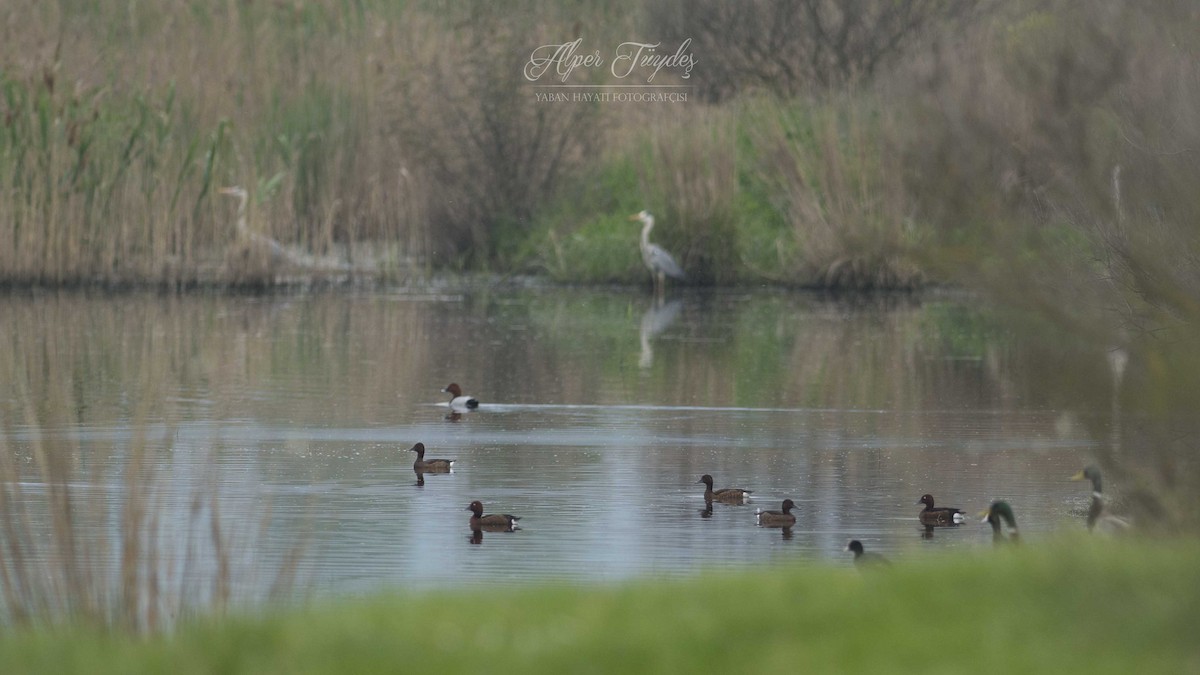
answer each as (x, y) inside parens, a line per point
(646, 231)
(241, 216)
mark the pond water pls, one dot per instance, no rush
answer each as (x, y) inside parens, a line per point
(292, 417)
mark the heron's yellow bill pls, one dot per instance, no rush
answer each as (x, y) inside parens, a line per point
(1079, 476)
(636, 216)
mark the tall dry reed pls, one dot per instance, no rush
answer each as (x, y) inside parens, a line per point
(373, 138)
(1055, 156)
(690, 180)
(129, 548)
(839, 183)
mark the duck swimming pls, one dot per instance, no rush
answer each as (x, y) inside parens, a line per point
(943, 515)
(783, 518)
(493, 522)
(1099, 518)
(423, 465)
(459, 401)
(1000, 510)
(725, 495)
(863, 558)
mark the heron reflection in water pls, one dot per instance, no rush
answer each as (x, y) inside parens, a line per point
(657, 318)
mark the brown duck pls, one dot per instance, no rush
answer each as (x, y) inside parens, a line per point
(782, 518)
(943, 515)
(423, 465)
(493, 522)
(725, 495)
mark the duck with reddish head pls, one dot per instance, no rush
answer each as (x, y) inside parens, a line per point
(458, 400)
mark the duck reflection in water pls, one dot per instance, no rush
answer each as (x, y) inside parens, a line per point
(658, 318)
(476, 537)
(453, 416)
(706, 512)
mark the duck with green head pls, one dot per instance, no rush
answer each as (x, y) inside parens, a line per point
(1098, 517)
(1001, 511)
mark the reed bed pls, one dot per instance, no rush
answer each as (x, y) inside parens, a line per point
(110, 531)
(373, 142)
(351, 126)
(1055, 172)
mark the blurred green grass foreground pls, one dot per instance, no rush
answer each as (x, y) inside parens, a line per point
(1076, 606)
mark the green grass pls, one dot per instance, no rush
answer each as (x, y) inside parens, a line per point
(1085, 606)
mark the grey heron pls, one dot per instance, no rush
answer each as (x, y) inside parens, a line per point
(272, 249)
(657, 260)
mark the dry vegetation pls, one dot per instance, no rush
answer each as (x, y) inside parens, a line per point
(363, 132)
(1055, 167)
(392, 140)
(795, 47)
(140, 551)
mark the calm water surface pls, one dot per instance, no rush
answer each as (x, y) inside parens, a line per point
(600, 412)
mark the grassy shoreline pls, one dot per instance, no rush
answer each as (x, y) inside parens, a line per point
(1079, 605)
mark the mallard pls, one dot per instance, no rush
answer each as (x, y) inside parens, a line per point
(726, 495)
(943, 515)
(493, 522)
(1098, 517)
(1000, 510)
(782, 518)
(862, 558)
